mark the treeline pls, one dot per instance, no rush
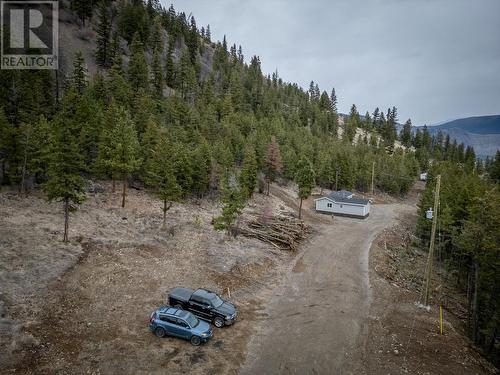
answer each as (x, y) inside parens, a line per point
(468, 242)
(161, 117)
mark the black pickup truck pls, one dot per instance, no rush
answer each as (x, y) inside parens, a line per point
(205, 304)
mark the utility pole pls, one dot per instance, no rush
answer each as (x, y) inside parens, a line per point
(373, 178)
(337, 180)
(428, 269)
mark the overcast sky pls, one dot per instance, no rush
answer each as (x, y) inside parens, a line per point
(433, 59)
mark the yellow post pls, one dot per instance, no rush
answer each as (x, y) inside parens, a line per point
(441, 318)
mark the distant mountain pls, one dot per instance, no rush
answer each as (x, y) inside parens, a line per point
(481, 132)
(475, 125)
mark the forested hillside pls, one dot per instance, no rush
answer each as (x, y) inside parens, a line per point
(158, 110)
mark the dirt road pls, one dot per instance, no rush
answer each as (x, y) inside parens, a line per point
(318, 310)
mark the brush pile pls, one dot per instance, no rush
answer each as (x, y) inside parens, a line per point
(285, 233)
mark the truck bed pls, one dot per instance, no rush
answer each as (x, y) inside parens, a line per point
(181, 294)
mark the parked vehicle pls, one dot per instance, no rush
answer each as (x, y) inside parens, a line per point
(205, 304)
(169, 321)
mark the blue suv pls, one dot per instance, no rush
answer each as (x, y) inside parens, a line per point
(179, 323)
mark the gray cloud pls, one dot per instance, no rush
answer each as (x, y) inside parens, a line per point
(433, 59)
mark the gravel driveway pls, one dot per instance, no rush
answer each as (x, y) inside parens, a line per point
(318, 310)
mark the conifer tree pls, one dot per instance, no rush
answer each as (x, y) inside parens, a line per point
(8, 141)
(102, 39)
(160, 175)
(83, 8)
(376, 119)
(157, 74)
(156, 35)
(233, 204)
(183, 166)
(324, 102)
(118, 88)
(119, 147)
(494, 168)
(241, 57)
(248, 177)
(208, 34)
(169, 69)
(192, 41)
(115, 57)
(79, 76)
(65, 164)
(273, 164)
(305, 179)
(149, 140)
(405, 135)
(186, 77)
(202, 157)
(351, 124)
(333, 101)
(138, 67)
(34, 146)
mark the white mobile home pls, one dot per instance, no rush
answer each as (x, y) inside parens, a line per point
(342, 203)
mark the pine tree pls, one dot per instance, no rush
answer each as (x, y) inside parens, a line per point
(333, 101)
(241, 57)
(367, 122)
(208, 34)
(233, 204)
(405, 135)
(33, 143)
(115, 54)
(169, 69)
(8, 146)
(324, 102)
(156, 35)
(83, 8)
(157, 74)
(248, 177)
(118, 88)
(376, 119)
(493, 168)
(305, 179)
(202, 157)
(65, 164)
(138, 67)
(102, 39)
(273, 162)
(192, 41)
(119, 147)
(149, 140)
(79, 76)
(89, 112)
(351, 124)
(186, 77)
(160, 175)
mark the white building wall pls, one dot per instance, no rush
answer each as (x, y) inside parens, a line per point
(322, 205)
(342, 208)
(348, 209)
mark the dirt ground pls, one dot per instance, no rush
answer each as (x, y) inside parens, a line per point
(83, 307)
(316, 314)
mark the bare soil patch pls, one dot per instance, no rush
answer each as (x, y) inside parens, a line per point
(83, 307)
